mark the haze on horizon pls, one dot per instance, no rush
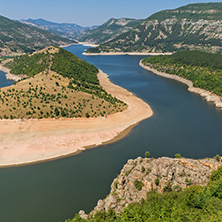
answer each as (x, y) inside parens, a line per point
(87, 12)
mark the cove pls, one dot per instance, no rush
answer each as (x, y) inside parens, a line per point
(182, 123)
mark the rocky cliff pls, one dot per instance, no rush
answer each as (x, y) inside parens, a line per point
(142, 175)
(195, 26)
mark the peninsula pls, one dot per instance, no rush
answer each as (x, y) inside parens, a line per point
(55, 112)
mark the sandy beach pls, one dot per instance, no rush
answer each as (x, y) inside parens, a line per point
(210, 97)
(126, 53)
(30, 141)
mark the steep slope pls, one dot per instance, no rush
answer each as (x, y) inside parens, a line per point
(163, 189)
(109, 30)
(66, 30)
(195, 26)
(56, 84)
(17, 38)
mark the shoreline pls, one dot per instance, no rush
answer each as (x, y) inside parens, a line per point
(10, 76)
(126, 53)
(31, 141)
(88, 44)
(208, 96)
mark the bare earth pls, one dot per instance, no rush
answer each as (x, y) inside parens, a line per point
(29, 141)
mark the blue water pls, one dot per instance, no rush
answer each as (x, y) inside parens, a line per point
(182, 123)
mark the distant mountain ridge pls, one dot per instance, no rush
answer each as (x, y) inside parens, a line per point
(66, 30)
(17, 38)
(195, 26)
(109, 30)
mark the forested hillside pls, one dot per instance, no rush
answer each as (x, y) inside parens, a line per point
(195, 26)
(17, 38)
(203, 69)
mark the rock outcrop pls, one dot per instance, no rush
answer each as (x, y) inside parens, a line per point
(142, 175)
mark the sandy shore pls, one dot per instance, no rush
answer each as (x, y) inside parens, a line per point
(126, 53)
(210, 97)
(29, 141)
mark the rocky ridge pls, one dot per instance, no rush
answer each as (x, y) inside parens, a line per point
(143, 175)
(195, 26)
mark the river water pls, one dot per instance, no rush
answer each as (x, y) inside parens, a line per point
(53, 191)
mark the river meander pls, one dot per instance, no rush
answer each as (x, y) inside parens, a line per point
(182, 123)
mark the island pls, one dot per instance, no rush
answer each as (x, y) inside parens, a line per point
(61, 106)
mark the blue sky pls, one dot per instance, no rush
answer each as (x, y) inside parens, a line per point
(86, 12)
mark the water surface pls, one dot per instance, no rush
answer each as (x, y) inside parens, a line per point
(182, 123)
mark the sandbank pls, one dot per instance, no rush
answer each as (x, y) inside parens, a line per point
(32, 140)
(210, 97)
(126, 53)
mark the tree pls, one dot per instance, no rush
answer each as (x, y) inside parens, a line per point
(147, 154)
(56, 111)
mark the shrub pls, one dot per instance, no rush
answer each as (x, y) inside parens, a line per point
(138, 184)
(147, 154)
(177, 155)
(157, 181)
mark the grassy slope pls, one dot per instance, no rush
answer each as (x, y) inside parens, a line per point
(203, 69)
(74, 92)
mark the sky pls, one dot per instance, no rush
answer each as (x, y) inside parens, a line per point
(87, 12)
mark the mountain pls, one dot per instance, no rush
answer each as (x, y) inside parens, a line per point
(109, 30)
(163, 189)
(55, 83)
(18, 38)
(195, 26)
(66, 30)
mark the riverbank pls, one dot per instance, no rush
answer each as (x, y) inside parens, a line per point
(10, 76)
(88, 44)
(210, 97)
(33, 140)
(126, 53)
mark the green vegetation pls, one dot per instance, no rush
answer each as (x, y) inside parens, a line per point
(17, 38)
(195, 204)
(138, 184)
(203, 69)
(189, 27)
(58, 84)
(177, 155)
(147, 154)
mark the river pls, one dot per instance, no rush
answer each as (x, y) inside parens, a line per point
(182, 123)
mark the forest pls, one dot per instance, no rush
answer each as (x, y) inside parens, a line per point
(203, 69)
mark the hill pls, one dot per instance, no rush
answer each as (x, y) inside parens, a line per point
(163, 189)
(195, 26)
(57, 84)
(107, 31)
(66, 30)
(17, 38)
(203, 69)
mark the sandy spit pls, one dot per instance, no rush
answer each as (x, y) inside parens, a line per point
(210, 97)
(29, 141)
(126, 53)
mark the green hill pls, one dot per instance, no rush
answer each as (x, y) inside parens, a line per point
(109, 30)
(203, 69)
(17, 38)
(57, 84)
(195, 26)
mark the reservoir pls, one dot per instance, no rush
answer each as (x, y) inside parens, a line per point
(182, 123)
